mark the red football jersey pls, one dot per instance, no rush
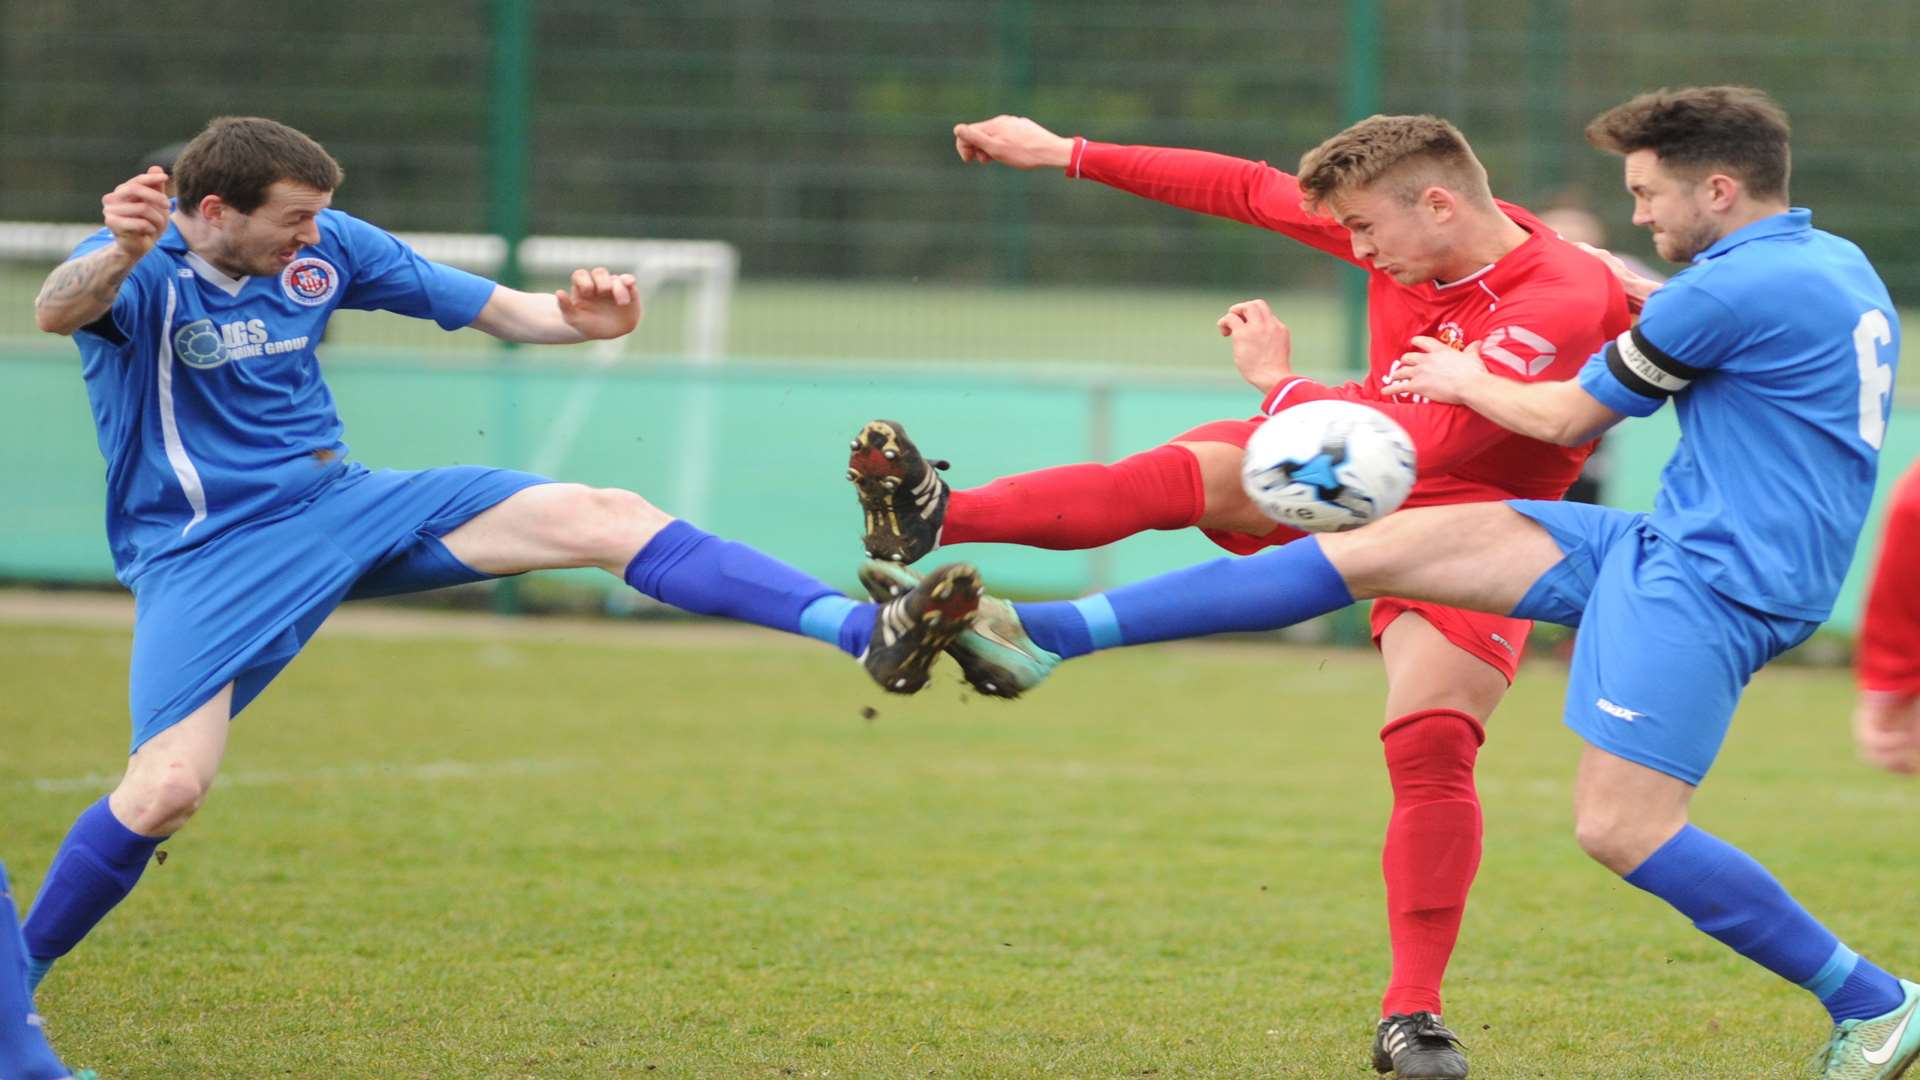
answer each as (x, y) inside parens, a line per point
(1538, 313)
(1889, 654)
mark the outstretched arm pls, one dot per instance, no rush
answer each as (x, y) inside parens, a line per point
(597, 305)
(81, 290)
(1199, 180)
(1562, 413)
(1014, 141)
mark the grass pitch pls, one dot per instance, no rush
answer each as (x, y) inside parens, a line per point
(670, 853)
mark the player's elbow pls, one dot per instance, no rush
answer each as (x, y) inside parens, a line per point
(52, 322)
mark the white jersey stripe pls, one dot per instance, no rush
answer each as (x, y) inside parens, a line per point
(183, 469)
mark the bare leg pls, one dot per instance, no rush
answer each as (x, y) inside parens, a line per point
(1624, 811)
(168, 778)
(1425, 671)
(1479, 556)
(558, 526)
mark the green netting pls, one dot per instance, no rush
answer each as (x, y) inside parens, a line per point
(815, 135)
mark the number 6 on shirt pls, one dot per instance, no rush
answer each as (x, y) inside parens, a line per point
(1876, 376)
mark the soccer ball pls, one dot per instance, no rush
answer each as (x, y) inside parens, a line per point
(1327, 466)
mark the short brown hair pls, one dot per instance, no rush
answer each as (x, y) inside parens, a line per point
(239, 157)
(1701, 129)
(1415, 152)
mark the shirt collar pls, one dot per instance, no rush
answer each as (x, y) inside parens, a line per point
(171, 240)
(1797, 220)
(174, 243)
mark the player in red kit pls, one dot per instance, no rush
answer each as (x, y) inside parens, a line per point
(1405, 199)
(1886, 719)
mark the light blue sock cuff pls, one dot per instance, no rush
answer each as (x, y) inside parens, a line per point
(1102, 625)
(1833, 973)
(822, 619)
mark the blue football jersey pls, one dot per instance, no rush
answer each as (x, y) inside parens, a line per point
(206, 394)
(1778, 347)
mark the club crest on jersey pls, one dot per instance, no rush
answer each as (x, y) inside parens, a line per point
(199, 345)
(309, 281)
(1451, 336)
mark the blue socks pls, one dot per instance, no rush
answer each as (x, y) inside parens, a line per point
(24, 1051)
(1734, 899)
(697, 571)
(1262, 592)
(95, 868)
(841, 622)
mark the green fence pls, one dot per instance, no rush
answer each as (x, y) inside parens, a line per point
(753, 451)
(814, 135)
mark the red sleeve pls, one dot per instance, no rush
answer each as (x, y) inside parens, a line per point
(1543, 337)
(1888, 657)
(1230, 187)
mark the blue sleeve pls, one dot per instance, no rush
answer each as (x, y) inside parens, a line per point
(384, 274)
(1683, 334)
(130, 304)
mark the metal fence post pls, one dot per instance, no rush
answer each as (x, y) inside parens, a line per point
(509, 101)
(1361, 100)
(1013, 38)
(1546, 67)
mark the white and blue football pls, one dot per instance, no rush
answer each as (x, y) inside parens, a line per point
(1328, 466)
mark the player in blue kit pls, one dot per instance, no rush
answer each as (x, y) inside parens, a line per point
(1777, 346)
(24, 1051)
(237, 519)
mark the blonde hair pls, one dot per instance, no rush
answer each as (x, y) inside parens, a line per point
(1408, 153)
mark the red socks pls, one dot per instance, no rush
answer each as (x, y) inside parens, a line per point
(1432, 849)
(1081, 506)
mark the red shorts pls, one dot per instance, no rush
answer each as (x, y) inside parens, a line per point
(1500, 640)
(1497, 639)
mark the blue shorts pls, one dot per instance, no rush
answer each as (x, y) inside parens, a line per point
(240, 606)
(1661, 658)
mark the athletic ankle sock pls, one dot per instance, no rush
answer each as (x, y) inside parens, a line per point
(24, 1051)
(1432, 849)
(1064, 627)
(1073, 507)
(96, 867)
(840, 621)
(697, 571)
(1866, 992)
(1733, 898)
(1261, 592)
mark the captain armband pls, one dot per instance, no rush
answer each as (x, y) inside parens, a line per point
(1643, 368)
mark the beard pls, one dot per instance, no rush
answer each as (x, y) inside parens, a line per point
(1681, 244)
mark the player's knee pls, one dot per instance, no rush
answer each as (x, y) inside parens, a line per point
(1368, 559)
(1617, 838)
(158, 805)
(608, 524)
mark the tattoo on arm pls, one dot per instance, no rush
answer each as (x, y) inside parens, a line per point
(69, 280)
(80, 290)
